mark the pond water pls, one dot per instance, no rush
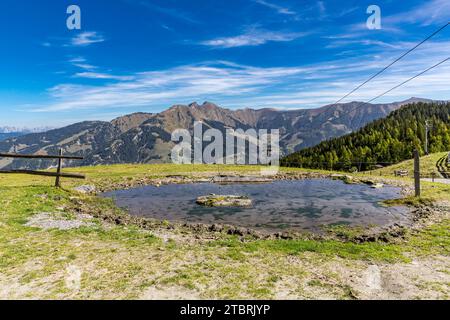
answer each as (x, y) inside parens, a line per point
(301, 205)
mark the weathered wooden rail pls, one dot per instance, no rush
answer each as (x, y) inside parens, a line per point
(58, 174)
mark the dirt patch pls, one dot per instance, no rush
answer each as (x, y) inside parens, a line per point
(424, 278)
(59, 220)
(13, 286)
(421, 279)
(172, 293)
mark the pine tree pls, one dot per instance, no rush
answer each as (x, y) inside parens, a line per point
(388, 140)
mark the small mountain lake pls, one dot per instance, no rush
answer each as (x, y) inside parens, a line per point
(300, 205)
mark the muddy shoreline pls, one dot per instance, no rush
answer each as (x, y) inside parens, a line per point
(420, 215)
(245, 178)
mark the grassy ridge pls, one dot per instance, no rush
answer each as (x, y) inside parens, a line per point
(427, 166)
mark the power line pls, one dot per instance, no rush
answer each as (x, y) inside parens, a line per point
(399, 85)
(406, 81)
(395, 61)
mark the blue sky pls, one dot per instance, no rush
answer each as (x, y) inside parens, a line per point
(146, 55)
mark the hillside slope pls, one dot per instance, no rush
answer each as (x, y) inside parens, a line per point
(145, 137)
(384, 141)
(427, 166)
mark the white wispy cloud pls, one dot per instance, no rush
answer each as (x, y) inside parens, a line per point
(78, 59)
(87, 38)
(235, 85)
(428, 13)
(97, 75)
(160, 87)
(253, 38)
(164, 26)
(364, 42)
(322, 8)
(81, 62)
(360, 31)
(91, 72)
(277, 8)
(170, 12)
(85, 66)
(347, 11)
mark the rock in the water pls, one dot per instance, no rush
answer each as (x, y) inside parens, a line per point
(214, 200)
(346, 178)
(377, 185)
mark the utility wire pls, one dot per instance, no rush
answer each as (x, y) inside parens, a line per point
(395, 61)
(399, 85)
(406, 81)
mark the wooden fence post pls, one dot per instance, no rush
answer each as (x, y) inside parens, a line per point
(417, 173)
(57, 174)
(58, 170)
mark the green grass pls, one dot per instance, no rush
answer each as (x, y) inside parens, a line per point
(427, 166)
(430, 191)
(107, 176)
(330, 248)
(434, 239)
(122, 261)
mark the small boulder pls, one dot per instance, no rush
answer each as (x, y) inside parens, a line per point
(85, 189)
(213, 200)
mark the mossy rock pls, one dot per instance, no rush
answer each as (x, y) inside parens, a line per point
(214, 200)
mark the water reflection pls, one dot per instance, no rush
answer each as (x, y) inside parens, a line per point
(299, 205)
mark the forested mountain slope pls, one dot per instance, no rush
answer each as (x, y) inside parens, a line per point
(384, 141)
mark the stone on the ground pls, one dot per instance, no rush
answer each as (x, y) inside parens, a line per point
(85, 189)
(58, 220)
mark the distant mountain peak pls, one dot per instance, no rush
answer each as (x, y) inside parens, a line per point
(131, 121)
(209, 105)
(205, 104)
(8, 129)
(415, 100)
(146, 138)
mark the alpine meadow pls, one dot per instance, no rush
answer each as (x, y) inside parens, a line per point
(225, 159)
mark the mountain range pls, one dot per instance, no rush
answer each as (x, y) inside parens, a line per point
(145, 137)
(6, 135)
(11, 132)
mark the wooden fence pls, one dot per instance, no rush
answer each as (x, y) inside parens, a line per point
(58, 174)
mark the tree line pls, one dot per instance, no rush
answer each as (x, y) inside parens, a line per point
(385, 141)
